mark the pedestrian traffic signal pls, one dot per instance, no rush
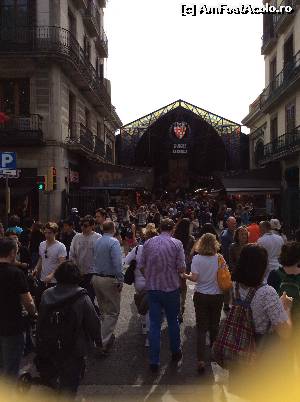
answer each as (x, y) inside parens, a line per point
(51, 179)
(41, 183)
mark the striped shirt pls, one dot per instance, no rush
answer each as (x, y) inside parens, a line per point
(162, 259)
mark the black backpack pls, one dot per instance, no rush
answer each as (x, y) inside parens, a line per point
(129, 274)
(57, 331)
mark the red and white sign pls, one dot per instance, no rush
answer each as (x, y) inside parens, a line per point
(180, 129)
(74, 176)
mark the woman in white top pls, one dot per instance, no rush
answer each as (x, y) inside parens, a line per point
(208, 297)
(139, 279)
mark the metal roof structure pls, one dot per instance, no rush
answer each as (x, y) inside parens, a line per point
(139, 127)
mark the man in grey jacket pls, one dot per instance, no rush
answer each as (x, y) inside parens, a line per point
(66, 373)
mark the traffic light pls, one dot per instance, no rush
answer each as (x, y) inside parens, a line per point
(51, 179)
(41, 183)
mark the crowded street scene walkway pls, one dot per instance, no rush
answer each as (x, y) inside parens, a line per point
(149, 201)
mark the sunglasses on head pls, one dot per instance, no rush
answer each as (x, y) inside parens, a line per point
(85, 225)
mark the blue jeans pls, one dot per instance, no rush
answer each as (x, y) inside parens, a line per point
(11, 352)
(170, 303)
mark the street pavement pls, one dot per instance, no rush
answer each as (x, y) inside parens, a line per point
(124, 375)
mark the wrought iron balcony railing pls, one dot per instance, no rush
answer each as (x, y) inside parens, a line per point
(60, 44)
(289, 73)
(92, 19)
(22, 131)
(281, 19)
(268, 40)
(99, 147)
(283, 145)
(81, 136)
(102, 43)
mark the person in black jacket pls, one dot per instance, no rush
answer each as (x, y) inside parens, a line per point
(67, 234)
(36, 237)
(67, 372)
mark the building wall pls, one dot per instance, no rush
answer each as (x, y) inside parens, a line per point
(49, 97)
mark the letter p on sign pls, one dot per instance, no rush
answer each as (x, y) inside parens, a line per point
(8, 160)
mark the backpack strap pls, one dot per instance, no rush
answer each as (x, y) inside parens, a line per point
(248, 299)
(136, 250)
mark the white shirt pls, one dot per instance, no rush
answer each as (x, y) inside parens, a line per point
(139, 279)
(54, 252)
(206, 267)
(273, 244)
(82, 251)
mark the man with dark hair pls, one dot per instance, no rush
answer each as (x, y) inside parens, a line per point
(108, 281)
(162, 261)
(272, 243)
(51, 253)
(100, 216)
(66, 367)
(227, 237)
(67, 234)
(13, 225)
(24, 237)
(14, 294)
(82, 252)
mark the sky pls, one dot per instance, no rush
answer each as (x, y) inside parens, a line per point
(157, 56)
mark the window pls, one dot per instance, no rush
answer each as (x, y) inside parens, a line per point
(72, 23)
(273, 68)
(15, 13)
(259, 152)
(290, 120)
(87, 118)
(289, 50)
(99, 129)
(15, 97)
(274, 129)
(87, 47)
(72, 112)
(101, 71)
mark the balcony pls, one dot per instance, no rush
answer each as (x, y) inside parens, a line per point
(22, 131)
(285, 145)
(282, 20)
(282, 83)
(80, 138)
(60, 45)
(99, 147)
(101, 43)
(268, 41)
(92, 19)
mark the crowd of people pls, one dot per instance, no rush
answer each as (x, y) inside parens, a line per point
(61, 283)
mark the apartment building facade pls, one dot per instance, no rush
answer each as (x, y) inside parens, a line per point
(53, 89)
(274, 117)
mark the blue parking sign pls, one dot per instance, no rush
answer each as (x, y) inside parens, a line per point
(8, 160)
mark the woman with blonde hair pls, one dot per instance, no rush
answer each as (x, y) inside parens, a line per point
(208, 297)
